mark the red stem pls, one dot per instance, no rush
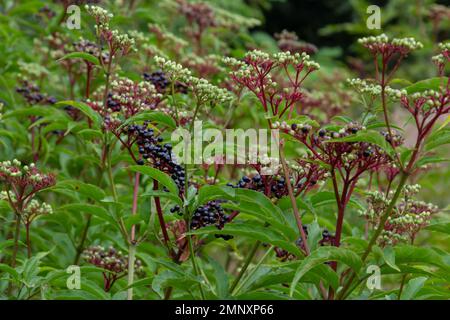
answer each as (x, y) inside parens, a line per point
(162, 223)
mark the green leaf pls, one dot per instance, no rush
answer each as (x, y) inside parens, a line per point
(221, 279)
(31, 268)
(370, 136)
(430, 159)
(153, 116)
(256, 204)
(157, 175)
(7, 269)
(81, 55)
(443, 227)
(89, 134)
(86, 189)
(407, 254)
(84, 108)
(413, 287)
(254, 231)
(428, 84)
(389, 257)
(163, 194)
(212, 192)
(324, 198)
(95, 210)
(438, 138)
(326, 254)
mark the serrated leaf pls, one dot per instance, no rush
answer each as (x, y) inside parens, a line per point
(326, 254)
(152, 116)
(162, 194)
(85, 109)
(428, 84)
(86, 189)
(81, 55)
(253, 231)
(95, 210)
(163, 178)
(413, 287)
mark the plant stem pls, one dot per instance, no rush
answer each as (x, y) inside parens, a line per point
(194, 262)
(293, 201)
(131, 259)
(132, 246)
(83, 239)
(110, 174)
(16, 241)
(108, 74)
(162, 223)
(247, 262)
(403, 178)
(27, 230)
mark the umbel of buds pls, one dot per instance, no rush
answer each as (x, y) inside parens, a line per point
(383, 45)
(204, 91)
(113, 262)
(288, 41)
(408, 218)
(125, 99)
(25, 180)
(443, 57)
(258, 70)
(32, 210)
(22, 182)
(117, 42)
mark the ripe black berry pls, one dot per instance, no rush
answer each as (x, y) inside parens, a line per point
(211, 213)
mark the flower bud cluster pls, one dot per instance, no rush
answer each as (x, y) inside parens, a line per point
(407, 219)
(24, 177)
(116, 41)
(202, 89)
(288, 41)
(125, 99)
(166, 38)
(109, 259)
(33, 95)
(383, 45)
(173, 70)
(258, 69)
(363, 87)
(114, 262)
(199, 14)
(35, 209)
(428, 104)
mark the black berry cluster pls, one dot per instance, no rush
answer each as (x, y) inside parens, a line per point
(112, 261)
(158, 79)
(327, 238)
(112, 104)
(211, 213)
(33, 95)
(271, 186)
(395, 139)
(161, 82)
(160, 155)
(285, 255)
